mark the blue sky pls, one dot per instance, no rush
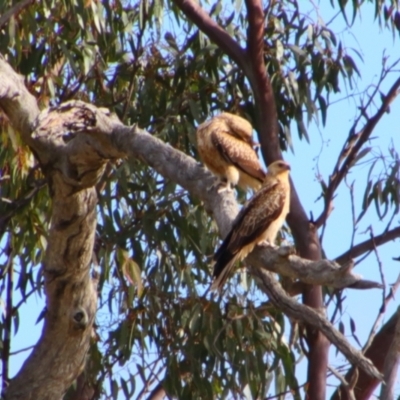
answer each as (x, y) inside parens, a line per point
(319, 157)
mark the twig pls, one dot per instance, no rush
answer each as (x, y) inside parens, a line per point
(280, 394)
(380, 266)
(353, 213)
(152, 377)
(13, 353)
(351, 148)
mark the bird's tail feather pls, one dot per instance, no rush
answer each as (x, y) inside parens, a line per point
(222, 269)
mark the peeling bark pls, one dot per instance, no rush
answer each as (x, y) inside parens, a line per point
(71, 298)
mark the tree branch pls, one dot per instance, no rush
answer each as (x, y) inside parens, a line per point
(304, 234)
(321, 272)
(267, 115)
(351, 148)
(314, 318)
(18, 104)
(217, 34)
(368, 245)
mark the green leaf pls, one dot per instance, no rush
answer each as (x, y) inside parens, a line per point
(323, 109)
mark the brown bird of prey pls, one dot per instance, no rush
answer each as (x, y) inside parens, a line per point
(226, 147)
(259, 220)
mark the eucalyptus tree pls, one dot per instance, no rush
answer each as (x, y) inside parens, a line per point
(108, 214)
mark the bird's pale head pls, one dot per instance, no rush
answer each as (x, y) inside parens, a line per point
(278, 167)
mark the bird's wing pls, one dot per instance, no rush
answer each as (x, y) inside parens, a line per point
(238, 127)
(254, 218)
(238, 153)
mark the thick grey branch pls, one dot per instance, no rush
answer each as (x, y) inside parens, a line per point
(308, 315)
(321, 272)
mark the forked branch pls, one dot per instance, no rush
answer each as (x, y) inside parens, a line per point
(353, 145)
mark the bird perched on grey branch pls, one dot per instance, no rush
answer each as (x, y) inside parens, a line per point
(259, 220)
(226, 147)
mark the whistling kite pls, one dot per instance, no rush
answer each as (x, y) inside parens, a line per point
(259, 220)
(226, 147)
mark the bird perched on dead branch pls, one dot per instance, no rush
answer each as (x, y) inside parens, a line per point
(226, 147)
(259, 220)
